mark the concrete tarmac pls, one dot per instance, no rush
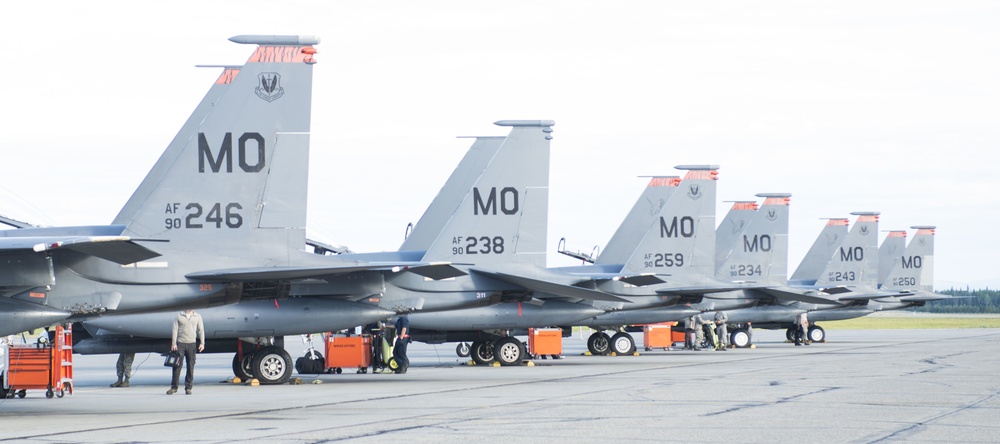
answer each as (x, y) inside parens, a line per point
(861, 386)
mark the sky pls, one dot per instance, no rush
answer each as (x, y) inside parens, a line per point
(889, 106)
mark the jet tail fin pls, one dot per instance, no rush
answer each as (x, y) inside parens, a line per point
(235, 175)
(761, 251)
(642, 215)
(681, 240)
(821, 251)
(498, 214)
(855, 261)
(914, 269)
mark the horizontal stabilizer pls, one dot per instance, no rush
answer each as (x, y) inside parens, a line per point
(928, 297)
(809, 296)
(704, 289)
(119, 249)
(290, 273)
(563, 290)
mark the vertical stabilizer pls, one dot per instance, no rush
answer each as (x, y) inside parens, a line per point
(729, 230)
(855, 261)
(635, 225)
(682, 238)
(914, 270)
(503, 215)
(889, 253)
(761, 252)
(235, 176)
(448, 201)
(822, 249)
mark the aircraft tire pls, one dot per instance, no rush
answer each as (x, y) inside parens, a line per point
(463, 350)
(622, 343)
(599, 343)
(272, 365)
(242, 369)
(740, 338)
(817, 334)
(482, 352)
(790, 334)
(509, 351)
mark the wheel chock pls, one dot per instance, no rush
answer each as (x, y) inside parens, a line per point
(295, 381)
(753, 345)
(316, 381)
(236, 380)
(496, 363)
(635, 353)
(530, 363)
(613, 354)
(253, 382)
(587, 353)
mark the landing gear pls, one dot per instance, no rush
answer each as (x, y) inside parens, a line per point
(509, 351)
(622, 343)
(241, 367)
(482, 352)
(599, 343)
(816, 334)
(271, 365)
(463, 350)
(790, 334)
(740, 338)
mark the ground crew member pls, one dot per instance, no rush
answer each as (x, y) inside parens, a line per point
(689, 336)
(802, 329)
(188, 336)
(124, 368)
(721, 330)
(700, 333)
(402, 339)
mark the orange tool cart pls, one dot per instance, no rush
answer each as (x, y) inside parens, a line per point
(348, 352)
(545, 341)
(45, 365)
(660, 335)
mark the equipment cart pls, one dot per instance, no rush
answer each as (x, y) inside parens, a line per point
(46, 365)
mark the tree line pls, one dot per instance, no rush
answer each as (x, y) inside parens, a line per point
(971, 301)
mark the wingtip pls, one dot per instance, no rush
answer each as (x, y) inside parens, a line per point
(256, 39)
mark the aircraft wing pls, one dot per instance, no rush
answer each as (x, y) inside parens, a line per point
(809, 296)
(550, 287)
(433, 270)
(119, 249)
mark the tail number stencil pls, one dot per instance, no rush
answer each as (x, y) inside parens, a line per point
(904, 281)
(477, 245)
(193, 215)
(660, 260)
(745, 270)
(842, 276)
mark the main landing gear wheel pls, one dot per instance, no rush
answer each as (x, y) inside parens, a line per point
(622, 343)
(790, 334)
(482, 352)
(599, 343)
(272, 365)
(463, 350)
(509, 351)
(241, 367)
(817, 334)
(740, 338)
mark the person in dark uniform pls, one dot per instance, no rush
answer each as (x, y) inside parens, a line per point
(402, 340)
(124, 368)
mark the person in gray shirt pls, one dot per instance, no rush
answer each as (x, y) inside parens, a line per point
(188, 330)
